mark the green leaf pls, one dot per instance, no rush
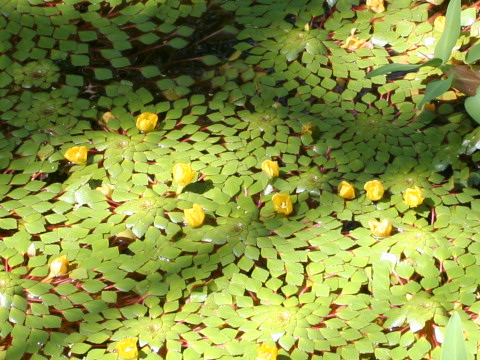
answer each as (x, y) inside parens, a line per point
(454, 346)
(468, 16)
(472, 105)
(450, 35)
(103, 74)
(210, 60)
(435, 89)
(435, 62)
(150, 71)
(8, 223)
(74, 80)
(473, 54)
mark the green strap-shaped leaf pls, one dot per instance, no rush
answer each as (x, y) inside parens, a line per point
(450, 35)
(403, 67)
(435, 89)
(472, 105)
(473, 54)
(454, 346)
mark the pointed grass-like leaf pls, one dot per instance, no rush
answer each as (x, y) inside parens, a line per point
(435, 89)
(450, 35)
(454, 346)
(435, 62)
(472, 105)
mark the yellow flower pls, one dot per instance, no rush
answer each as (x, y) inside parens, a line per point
(353, 43)
(105, 189)
(346, 190)
(307, 128)
(147, 121)
(439, 23)
(76, 154)
(194, 216)
(271, 168)
(59, 266)
(282, 203)
(266, 352)
(127, 349)
(107, 117)
(182, 175)
(374, 189)
(380, 228)
(413, 197)
(376, 6)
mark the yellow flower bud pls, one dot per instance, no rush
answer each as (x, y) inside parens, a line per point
(374, 189)
(439, 23)
(105, 189)
(346, 190)
(266, 352)
(147, 121)
(194, 216)
(59, 266)
(271, 168)
(182, 175)
(76, 154)
(380, 228)
(376, 6)
(127, 349)
(282, 203)
(413, 197)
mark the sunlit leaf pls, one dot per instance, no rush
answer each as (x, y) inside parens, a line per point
(444, 47)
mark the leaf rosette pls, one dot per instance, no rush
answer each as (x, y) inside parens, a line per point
(150, 332)
(10, 285)
(42, 73)
(282, 323)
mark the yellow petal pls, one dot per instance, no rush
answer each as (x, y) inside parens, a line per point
(346, 190)
(194, 216)
(374, 189)
(127, 349)
(271, 168)
(282, 203)
(377, 6)
(183, 174)
(76, 154)
(380, 229)
(105, 189)
(353, 43)
(59, 266)
(147, 121)
(266, 352)
(439, 23)
(413, 197)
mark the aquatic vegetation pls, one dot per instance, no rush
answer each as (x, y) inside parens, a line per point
(238, 179)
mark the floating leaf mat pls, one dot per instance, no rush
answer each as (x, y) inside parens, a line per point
(234, 83)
